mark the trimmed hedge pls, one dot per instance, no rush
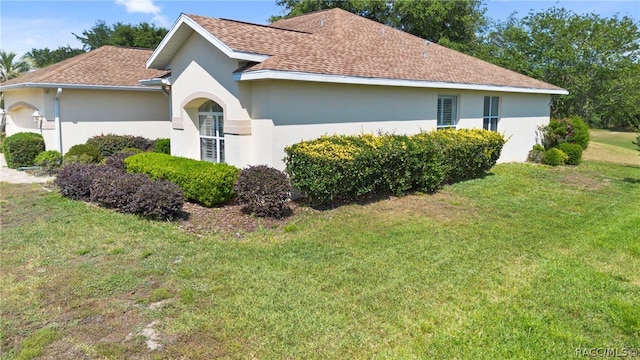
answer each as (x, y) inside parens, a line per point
(344, 168)
(554, 157)
(110, 144)
(21, 149)
(203, 182)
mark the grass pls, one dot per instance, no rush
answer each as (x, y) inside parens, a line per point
(529, 262)
(613, 147)
(614, 138)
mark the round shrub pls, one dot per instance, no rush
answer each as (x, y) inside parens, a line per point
(83, 153)
(74, 180)
(163, 146)
(535, 154)
(157, 200)
(573, 151)
(50, 161)
(21, 149)
(263, 191)
(554, 157)
(110, 144)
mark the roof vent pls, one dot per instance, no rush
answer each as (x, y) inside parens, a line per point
(382, 30)
(321, 22)
(427, 42)
(424, 54)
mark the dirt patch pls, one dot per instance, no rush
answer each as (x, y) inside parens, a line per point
(583, 181)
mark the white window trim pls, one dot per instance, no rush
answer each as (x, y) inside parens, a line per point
(490, 117)
(456, 115)
(219, 138)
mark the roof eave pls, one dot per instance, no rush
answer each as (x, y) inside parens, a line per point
(161, 81)
(180, 31)
(76, 86)
(344, 79)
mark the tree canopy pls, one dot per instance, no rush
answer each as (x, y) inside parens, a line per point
(46, 56)
(10, 67)
(143, 35)
(596, 59)
(451, 23)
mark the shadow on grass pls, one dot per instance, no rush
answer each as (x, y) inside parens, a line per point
(631, 180)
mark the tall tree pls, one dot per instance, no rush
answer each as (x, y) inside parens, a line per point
(45, 57)
(596, 59)
(11, 67)
(143, 35)
(451, 23)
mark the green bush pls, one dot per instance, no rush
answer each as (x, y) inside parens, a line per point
(263, 191)
(110, 144)
(573, 151)
(637, 142)
(83, 153)
(163, 146)
(50, 161)
(468, 153)
(535, 154)
(568, 130)
(554, 157)
(344, 168)
(21, 149)
(206, 183)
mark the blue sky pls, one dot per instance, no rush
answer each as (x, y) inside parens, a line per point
(26, 24)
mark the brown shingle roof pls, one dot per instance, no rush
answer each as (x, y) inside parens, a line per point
(106, 66)
(336, 42)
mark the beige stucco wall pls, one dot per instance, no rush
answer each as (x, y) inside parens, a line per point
(85, 113)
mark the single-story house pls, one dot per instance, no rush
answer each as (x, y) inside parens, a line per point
(240, 93)
(89, 94)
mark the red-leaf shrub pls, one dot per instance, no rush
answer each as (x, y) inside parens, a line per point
(263, 191)
(157, 199)
(114, 188)
(74, 180)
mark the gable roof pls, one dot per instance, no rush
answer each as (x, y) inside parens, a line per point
(338, 46)
(108, 67)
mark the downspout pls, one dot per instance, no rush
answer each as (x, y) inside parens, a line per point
(56, 112)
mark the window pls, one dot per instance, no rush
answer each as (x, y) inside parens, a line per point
(490, 115)
(211, 118)
(447, 111)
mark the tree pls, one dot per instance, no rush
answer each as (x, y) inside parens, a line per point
(44, 57)
(11, 67)
(596, 59)
(451, 23)
(143, 35)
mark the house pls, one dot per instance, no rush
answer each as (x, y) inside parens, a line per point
(89, 94)
(241, 92)
(236, 92)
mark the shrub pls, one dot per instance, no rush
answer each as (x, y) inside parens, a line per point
(468, 153)
(535, 154)
(116, 160)
(21, 149)
(206, 183)
(50, 161)
(637, 142)
(74, 180)
(568, 130)
(83, 153)
(163, 146)
(573, 151)
(554, 157)
(157, 199)
(263, 191)
(114, 189)
(110, 144)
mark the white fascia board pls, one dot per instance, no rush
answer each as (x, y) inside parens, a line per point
(77, 86)
(185, 20)
(340, 79)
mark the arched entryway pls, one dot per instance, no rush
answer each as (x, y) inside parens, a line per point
(211, 128)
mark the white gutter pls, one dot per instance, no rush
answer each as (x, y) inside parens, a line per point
(342, 79)
(56, 112)
(76, 86)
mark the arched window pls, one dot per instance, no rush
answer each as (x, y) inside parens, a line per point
(211, 118)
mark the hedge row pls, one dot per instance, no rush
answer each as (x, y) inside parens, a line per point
(109, 144)
(344, 168)
(206, 183)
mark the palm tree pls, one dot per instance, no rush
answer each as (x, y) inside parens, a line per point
(10, 67)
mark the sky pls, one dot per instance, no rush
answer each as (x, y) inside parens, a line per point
(27, 24)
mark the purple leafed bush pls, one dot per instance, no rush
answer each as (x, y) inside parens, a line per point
(116, 160)
(263, 191)
(115, 189)
(74, 180)
(158, 200)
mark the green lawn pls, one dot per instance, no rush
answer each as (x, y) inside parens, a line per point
(615, 138)
(530, 262)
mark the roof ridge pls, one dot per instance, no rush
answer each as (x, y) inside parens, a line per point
(248, 23)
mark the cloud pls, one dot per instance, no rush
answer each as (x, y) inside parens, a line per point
(145, 7)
